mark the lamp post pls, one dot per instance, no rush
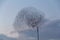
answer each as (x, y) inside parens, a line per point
(37, 33)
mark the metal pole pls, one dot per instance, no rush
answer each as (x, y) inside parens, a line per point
(37, 33)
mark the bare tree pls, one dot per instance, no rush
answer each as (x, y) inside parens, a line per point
(32, 18)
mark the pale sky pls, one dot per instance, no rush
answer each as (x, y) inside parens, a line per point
(10, 8)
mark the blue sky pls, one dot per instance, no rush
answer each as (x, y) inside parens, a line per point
(10, 8)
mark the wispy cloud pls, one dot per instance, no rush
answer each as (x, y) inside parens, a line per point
(4, 37)
(51, 30)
